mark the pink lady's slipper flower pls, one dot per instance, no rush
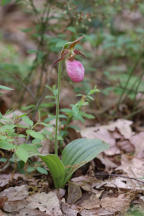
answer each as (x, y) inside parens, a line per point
(75, 70)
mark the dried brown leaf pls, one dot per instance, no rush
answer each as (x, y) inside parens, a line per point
(91, 202)
(124, 184)
(46, 203)
(138, 141)
(123, 126)
(119, 129)
(74, 193)
(118, 204)
(16, 198)
(68, 210)
(133, 168)
(100, 133)
(125, 146)
(15, 193)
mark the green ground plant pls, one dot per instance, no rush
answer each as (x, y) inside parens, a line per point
(134, 211)
(10, 141)
(80, 151)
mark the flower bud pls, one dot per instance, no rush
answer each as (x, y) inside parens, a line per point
(75, 70)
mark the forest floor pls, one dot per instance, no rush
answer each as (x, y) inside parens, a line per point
(111, 184)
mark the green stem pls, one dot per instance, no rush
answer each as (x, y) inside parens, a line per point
(57, 107)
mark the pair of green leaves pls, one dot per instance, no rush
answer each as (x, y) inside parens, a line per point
(75, 154)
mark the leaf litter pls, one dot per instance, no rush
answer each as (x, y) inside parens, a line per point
(121, 172)
(86, 195)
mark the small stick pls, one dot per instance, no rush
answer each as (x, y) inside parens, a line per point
(116, 175)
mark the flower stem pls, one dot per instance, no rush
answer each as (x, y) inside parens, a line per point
(57, 107)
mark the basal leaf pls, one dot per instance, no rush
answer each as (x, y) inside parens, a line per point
(56, 169)
(79, 152)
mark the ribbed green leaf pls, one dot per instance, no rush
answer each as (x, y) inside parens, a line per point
(56, 169)
(79, 152)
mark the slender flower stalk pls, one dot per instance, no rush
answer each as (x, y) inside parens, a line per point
(57, 107)
(75, 71)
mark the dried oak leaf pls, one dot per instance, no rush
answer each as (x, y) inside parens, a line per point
(138, 141)
(120, 129)
(16, 198)
(74, 192)
(46, 203)
(118, 204)
(134, 167)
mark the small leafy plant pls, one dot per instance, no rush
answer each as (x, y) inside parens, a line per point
(20, 141)
(80, 151)
(68, 115)
(9, 138)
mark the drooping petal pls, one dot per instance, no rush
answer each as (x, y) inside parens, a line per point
(75, 70)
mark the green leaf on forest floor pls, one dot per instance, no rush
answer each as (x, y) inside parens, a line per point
(5, 88)
(56, 168)
(24, 151)
(79, 152)
(75, 154)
